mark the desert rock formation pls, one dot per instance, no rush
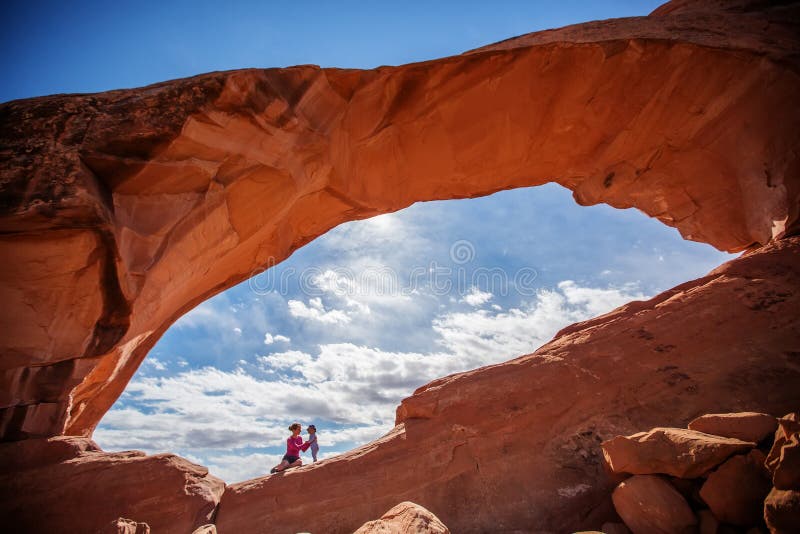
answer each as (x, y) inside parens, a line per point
(121, 211)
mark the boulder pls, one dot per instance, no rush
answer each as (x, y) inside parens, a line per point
(786, 474)
(746, 426)
(735, 491)
(93, 489)
(125, 526)
(404, 518)
(783, 460)
(672, 451)
(650, 505)
(782, 511)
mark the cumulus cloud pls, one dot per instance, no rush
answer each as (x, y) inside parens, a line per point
(315, 311)
(476, 297)
(350, 391)
(269, 339)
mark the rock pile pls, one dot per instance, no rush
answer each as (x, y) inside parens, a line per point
(726, 473)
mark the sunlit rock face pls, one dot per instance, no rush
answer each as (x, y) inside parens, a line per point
(121, 211)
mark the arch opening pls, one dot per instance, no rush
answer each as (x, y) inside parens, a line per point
(353, 322)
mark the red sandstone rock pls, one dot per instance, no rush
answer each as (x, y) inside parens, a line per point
(787, 472)
(708, 524)
(735, 492)
(746, 426)
(782, 461)
(403, 518)
(672, 451)
(31, 453)
(650, 505)
(466, 417)
(89, 491)
(125, 526)
(782, 511)
(139, 204)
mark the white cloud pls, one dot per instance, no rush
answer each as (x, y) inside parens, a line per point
(269, 339)
(155, 363)
(237, 331)
(315, 311)
(476, 297)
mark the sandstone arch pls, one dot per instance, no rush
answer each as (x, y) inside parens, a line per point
(122, 210)
(145, 202)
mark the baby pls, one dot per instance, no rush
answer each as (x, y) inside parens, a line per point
(312, 441)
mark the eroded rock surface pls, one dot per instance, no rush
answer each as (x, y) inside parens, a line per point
(584, 387)
(121, 211)
(92, 491)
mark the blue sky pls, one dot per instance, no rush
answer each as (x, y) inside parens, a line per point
(339, 333)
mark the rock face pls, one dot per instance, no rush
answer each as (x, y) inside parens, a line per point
(671, 451)
(735, 492)
(92, 491)
(746, 426)
(650, 505)
(406, 517)
(464, 428)
(123, 210)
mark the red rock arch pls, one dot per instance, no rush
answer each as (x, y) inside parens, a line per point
(123, 210)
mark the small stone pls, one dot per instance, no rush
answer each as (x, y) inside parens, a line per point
(125, 526)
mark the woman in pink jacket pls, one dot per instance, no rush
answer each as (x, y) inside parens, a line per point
(294, 444)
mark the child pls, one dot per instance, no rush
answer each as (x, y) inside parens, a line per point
(312, 441)
(293, 445)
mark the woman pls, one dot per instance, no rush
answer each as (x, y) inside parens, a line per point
(294, 444)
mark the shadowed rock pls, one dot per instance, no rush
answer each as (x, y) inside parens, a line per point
(736, 490)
